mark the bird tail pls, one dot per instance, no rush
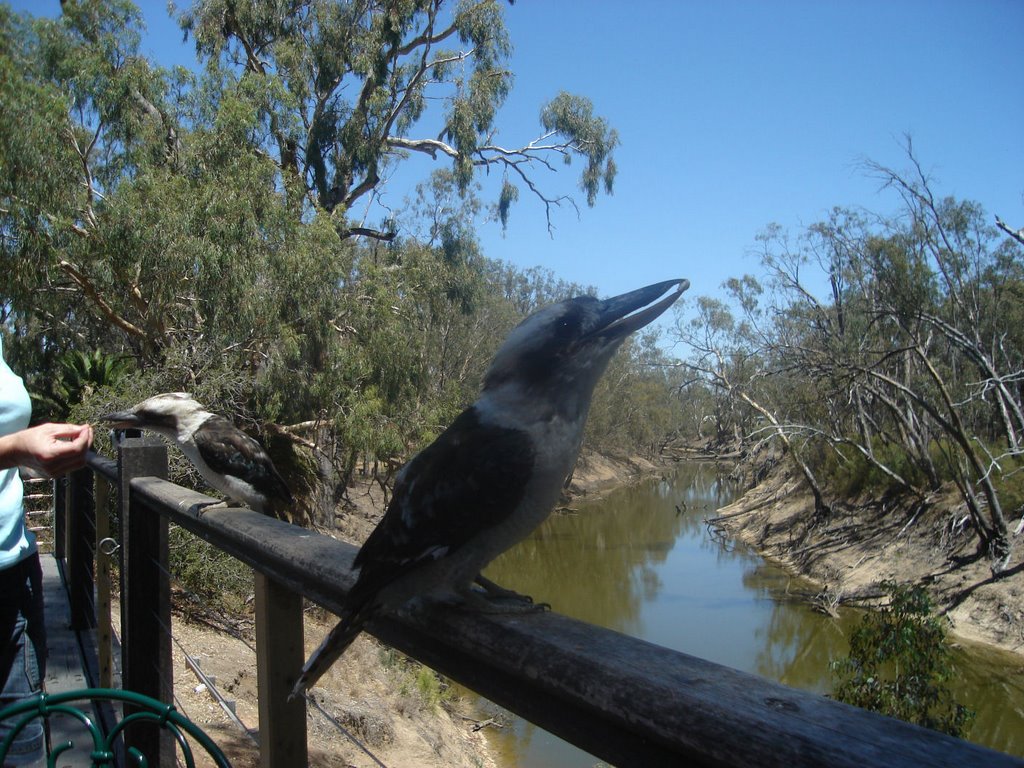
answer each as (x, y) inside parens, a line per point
(330, 650)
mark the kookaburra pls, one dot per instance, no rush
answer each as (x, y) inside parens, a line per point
(228, 459)
(496, 473)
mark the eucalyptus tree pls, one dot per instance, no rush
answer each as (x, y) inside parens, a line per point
(738, 357)
(909, 351)
(948, 287)
(209, 223)
(824, 343)
(718, 353)
(345, 91)
(637, 407)
(126, 229)
(978, 277)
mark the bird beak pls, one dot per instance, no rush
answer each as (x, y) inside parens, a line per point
(121, 419)
(616, 320)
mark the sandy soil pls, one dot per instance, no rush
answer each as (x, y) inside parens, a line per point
(596, 474)
(864, 543)
(384, 717)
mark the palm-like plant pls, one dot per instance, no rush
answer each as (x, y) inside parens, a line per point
(78, 375)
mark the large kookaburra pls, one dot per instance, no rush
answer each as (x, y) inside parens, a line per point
(228, 459)
(496, 473)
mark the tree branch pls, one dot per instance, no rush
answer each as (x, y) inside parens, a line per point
(375, 234)
(427, 146)
(427, 39)
(1016, 234)
(172, 141)
(89, 289)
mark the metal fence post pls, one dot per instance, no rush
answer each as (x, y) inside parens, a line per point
(145, 596)
(59, 519)
(80, 522)
(104, 630)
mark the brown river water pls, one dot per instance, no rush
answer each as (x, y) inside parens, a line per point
(642, 561)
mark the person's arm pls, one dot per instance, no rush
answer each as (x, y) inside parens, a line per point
(53, 449)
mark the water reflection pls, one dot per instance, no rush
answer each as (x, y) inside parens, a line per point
(642, 562)
(992, 684)
(594, 565)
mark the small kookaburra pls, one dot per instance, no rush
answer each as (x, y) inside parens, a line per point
(228, 459)
(496, 473)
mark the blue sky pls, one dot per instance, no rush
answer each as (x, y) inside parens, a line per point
(733, 115)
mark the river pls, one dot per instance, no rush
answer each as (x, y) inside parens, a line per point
(642, 561)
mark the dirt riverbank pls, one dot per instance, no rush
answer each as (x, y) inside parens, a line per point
(864, 542)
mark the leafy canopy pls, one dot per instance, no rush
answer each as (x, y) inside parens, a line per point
(205, 224)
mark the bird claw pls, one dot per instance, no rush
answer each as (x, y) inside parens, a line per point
(204, 507)
(497, 602)
(495, 591)
(524, 604)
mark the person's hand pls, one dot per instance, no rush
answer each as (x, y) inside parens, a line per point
(51, 449)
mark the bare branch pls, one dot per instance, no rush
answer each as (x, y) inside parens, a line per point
(427, 146)
(1016, 234)
(90, 290)
(83, 156)
(374, 234)
(427, 39)
(172, 141)
(548, 202)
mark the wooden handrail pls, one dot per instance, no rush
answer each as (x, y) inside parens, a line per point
(624, 700)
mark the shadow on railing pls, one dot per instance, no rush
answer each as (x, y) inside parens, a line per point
(102, 747)
(624, 700)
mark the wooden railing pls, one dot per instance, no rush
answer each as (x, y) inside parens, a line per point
(624, 700)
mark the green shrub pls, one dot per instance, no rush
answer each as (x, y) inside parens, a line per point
(415, 680)
(899, 665)
(848, 473)
(210, 579)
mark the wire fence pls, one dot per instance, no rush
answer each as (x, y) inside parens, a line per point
(38, 502)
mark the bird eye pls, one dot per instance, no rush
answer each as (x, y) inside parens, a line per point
(568, 326)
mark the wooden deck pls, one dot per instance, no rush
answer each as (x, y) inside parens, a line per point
(67, 668)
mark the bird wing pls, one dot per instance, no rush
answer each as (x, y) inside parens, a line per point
(229, 451)
(470, 479)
